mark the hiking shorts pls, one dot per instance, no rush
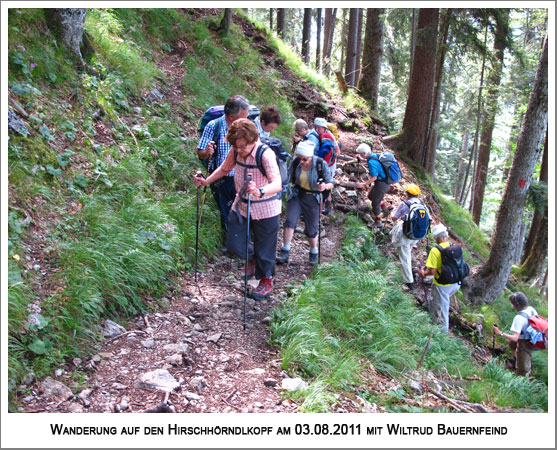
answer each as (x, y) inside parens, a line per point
(305, 202)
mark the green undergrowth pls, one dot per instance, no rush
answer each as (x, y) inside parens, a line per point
(354, 311)
(500, 311)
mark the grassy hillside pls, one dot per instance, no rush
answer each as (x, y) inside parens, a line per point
(102, 209)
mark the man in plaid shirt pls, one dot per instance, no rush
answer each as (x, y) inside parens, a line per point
(265, 204)
(216, 148)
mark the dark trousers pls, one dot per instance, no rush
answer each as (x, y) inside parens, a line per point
(265, 236)
(224, 193)
(303, 203)
(376, 195)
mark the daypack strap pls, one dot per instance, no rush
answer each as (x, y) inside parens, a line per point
(527, 317)
(258, 158)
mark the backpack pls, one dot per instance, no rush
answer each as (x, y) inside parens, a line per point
(282, 157)
(333, 129)
(417, 221)
(453, 267)
(536, 330)
(390, 166)
(214, 112)
(327, 148)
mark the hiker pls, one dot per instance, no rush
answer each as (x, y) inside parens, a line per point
(267, 121)
(265, 205)
(379, 180)
(304, 133)
(216, 151)
(328, 151)
(310, 176)
(402, 241)
(518, 340)
(440, 293)
(327, 139)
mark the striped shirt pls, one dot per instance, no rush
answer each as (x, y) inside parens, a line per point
(223, 147)
(258, 209)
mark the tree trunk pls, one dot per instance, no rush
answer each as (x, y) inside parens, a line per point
(343, 40)
(318, 46)
(432, 140)
(491, 109)
(477, 132)
(535, 249)
(463, 153)
(486, 285)
(306, 36)
(68, 24)
(412, 42)
(281, 20)
(373, 53)
(358, 68)
(351, 47)
(412, 139)
(224, 26)
(328, 34)
(271, 19)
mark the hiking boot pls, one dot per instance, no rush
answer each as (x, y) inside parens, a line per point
(410, 286)
(327, 209)
(313, 258)
(282, 258)
(251, 268)
(263, 291)
(378, 224)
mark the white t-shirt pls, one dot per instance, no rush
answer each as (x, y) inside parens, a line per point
(519, 322)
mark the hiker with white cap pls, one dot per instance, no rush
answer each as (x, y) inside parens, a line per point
(409, 230)
(441, 293)
(377, 178)
(309, 176)
(328, 150)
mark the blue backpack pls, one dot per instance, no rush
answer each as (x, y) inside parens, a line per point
(214, 112)
(390, 166)
(417, 221)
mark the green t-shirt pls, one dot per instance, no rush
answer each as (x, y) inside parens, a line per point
(434, 261)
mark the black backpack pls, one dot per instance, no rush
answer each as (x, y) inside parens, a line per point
(453, 267)
(282, 157)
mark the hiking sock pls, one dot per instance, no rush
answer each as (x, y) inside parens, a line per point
(314, 250)
(286, 247)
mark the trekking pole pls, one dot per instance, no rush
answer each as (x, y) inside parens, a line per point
(493, 346)
(357, 204)
(247, 247)
(205, 187)
(423, 285)
(319, 233)
(197, 222)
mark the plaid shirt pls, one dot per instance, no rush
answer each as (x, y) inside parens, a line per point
(259, 209)
(223, 147)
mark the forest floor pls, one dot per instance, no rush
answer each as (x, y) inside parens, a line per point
(198, 341)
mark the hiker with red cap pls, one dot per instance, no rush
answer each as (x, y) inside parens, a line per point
(264, 218)
(413, 225)
(310, 177)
